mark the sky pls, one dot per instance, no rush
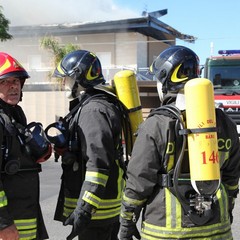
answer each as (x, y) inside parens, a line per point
(215, 23)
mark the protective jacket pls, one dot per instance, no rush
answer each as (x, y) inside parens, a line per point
(149, 184)
(94, 178)
(19, 192)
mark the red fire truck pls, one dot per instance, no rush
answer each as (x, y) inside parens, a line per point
(224, 71)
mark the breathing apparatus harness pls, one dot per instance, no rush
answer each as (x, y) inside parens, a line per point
(198, 207)
(33, 142)
(66, 140)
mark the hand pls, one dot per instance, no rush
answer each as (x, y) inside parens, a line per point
(79, 219)
(127, 231)
(9, 233)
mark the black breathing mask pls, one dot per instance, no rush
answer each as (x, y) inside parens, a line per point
(34, 142)
(57, 134)
(65, 145)
(37, 143)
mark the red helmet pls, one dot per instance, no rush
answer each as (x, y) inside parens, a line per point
(10, 67)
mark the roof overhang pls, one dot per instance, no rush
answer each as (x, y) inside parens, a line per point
(148, 26)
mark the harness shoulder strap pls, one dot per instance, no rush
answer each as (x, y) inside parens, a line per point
(166, 180)
(166, 110)
(8, 127)
(125, 121)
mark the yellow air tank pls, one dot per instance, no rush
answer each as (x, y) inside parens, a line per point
(127, 91)
(202, 140)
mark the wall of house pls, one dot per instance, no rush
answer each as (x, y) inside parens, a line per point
(44, 107)
(97, 43)
(126, 50)
(156, 47)
(142, 51)
(115, 50)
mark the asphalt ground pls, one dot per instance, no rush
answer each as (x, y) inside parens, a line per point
(50, 184)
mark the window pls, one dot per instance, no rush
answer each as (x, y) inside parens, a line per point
(105, 58)
(34, 62)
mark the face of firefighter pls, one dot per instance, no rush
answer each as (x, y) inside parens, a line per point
(10, 90)
(72, 90)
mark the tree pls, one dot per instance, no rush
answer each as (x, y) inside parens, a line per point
(51, 44)
(4, 27)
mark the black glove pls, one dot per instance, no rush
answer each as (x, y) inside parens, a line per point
(79, 219)
(128, 229)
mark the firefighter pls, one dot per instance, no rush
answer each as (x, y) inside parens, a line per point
(159, 174)
(90, 146)
(20, 212)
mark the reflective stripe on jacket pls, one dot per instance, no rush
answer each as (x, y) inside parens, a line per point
(27, 228)
(105, 208)
(3, 199)
(172, 225)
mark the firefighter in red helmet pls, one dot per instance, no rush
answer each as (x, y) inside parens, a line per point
(20, 212)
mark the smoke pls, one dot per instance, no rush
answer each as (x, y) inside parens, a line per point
(30, 12)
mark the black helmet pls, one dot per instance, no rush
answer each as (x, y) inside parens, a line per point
(82, 66)
(174, 66)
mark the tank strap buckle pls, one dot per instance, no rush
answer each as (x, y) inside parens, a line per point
(165, 180)
(197, 130)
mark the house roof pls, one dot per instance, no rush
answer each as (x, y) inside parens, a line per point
(148, 26)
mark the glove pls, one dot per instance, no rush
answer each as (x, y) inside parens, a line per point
(79, 219)
(127, 230)
(68, 158)
(128, 220)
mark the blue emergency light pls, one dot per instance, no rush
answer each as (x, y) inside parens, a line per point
(229, 52)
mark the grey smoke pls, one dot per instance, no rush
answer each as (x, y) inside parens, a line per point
(30, 12)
